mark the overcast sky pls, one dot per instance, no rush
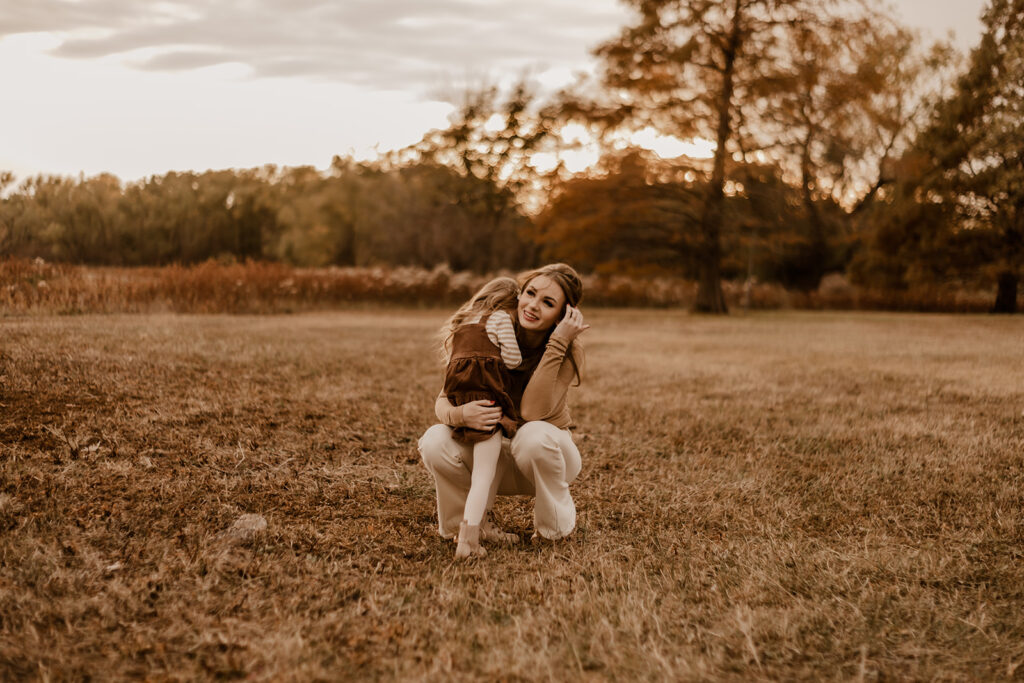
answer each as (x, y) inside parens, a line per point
(141, 87)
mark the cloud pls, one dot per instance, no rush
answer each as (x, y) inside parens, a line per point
(381, 44)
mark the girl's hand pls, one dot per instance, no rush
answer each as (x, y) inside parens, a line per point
(482, 415)
(571, 325)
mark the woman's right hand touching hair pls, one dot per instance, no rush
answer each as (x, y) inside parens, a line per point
(571, 325)
(481, 415)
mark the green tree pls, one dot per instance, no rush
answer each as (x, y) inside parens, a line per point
(67, 220)
(252, 207)
(350, 186)
(13, 233)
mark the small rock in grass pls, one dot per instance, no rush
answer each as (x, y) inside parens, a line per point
(245, 528)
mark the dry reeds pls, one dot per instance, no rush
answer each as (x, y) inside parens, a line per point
(38, 287)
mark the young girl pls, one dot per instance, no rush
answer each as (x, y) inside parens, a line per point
(479, 342)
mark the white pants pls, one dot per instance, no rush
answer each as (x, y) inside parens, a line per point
(543, 461)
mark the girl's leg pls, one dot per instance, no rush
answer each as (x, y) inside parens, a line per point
(484, 481)
(489, 531)
(446, 460)
(485, 463)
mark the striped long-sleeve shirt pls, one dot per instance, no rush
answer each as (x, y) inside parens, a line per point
(502, 334)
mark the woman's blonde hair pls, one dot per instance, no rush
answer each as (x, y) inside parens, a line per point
(569, 281)
(500, 294)
(563, 275)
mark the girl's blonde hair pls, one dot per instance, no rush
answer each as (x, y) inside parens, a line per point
(500, 294)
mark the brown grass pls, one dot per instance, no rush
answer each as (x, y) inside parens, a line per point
(773, 496)
(41, 288)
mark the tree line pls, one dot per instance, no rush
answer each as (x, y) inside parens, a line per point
(842, 143)
(354, 214)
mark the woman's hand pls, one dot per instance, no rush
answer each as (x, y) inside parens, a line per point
(481, 415)
(571, 325)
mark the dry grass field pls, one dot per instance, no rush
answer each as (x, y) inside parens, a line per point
(775, 496)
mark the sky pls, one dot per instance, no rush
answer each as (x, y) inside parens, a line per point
(143, 87)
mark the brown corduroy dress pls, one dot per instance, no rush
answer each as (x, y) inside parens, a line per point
(477, 372)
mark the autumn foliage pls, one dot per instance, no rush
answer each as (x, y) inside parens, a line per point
(842, 145)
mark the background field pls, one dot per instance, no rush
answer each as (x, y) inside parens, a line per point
(779, 495)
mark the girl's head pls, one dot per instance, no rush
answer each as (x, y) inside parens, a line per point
(544, 294)
(501, 293)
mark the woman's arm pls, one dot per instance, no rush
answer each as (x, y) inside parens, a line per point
(447, 413)
(480, 415)
(545, 394)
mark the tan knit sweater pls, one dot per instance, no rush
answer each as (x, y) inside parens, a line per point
(545, 395)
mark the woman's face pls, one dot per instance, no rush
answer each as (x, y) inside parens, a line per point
(540, 304)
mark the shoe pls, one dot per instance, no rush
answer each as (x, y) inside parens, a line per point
(492, 533)
(469, 542)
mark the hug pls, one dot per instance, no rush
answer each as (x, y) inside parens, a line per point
(512, 354)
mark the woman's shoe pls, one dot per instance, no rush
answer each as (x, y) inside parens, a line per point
(469, 542)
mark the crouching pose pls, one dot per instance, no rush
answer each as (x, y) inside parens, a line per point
(527, 404)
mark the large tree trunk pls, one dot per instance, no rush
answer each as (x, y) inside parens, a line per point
(1006, 292)
(817, 258)
(346, 248)
(710, 298)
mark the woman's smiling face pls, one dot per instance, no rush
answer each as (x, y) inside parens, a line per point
(540, 304)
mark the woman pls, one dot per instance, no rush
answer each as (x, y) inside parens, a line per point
(544, 459)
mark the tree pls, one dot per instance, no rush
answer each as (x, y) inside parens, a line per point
(785, 240)
(694, 69)
(853, 94)
(252, 206)
(61, 219)
(988, 181)
(489, 141)
(635, 212)
(15, 231)
(424, 214)
(348, 186)
(805, 85)
(958, 211)
(632, 213)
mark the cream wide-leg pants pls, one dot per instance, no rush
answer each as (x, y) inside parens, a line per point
(540, 460)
